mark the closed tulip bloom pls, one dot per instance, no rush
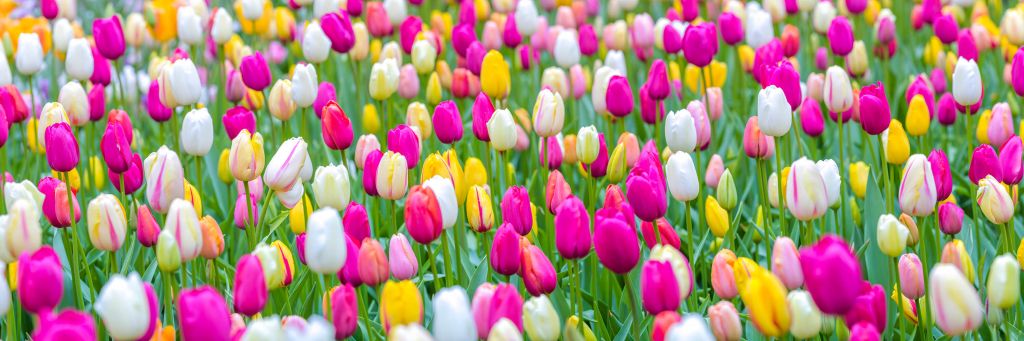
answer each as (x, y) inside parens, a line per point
(506, 253)
(283, 170)
(658, 287)
(483, 110)
(255, 71)
(62, 154)
(832, 274)
(40, 280)
(29, 56)
(967, 85)
(56, 208)
(494, 75)
(384, 79)
(548, 113)
(336, 128)
(804, 311)
(373, 263)
(892, 235)
(458, 324)
(700, 44)
(370, 167)
(128, 307)
(995, 201)
(109, 37)
(941, 174)
(392, 176)
(619, 89)
(107, 223)
(337, 27)
(479, 211)
(189, 25)
(615, 241)
(811, 120)
(786, 263)
(501, 129)
(79, 64)
(756, 144)
(646, 190)
(911, 276)
(540, 320)
(765, 297)
(539, 275)
(402, 259)
(196, 132)
(717, 217)
(955, 304)
(183, 223)
(246, 159)
(681, 177)
(448, 122)
(725, 321)
(984, 162)
(722, 278)
(566, 48)
(423, 215)
(837, 93)
(238, 119)
(951, 218)
(917, 193)
(773, 111)
(1003, 282)
(807, 198)
(179, 84)
(323, 230)
(280, 101)
(250, 289)
(954, 252)
(400, 304)
(304, 84)
(840, 36)
(681, 131)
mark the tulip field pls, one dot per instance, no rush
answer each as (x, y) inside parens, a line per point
(579, 170)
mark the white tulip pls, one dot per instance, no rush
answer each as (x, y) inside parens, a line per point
(691, 328)
(773, 112)
(197, 132)
(567, 49)
(62, 34)
(29, 57)
(966, 82)
(190, 27)
(223, 27)
(304, 85)
(78, 63)
(323, 230)
(458, 323)
(682, 177)
(123, 306)
(331, 187)
(316, 47)
(680, 131)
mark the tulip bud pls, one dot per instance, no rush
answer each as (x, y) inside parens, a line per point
(168, 255)
(955, 304)
(29, 56)
(250, 289)
(400, 304)
(967, 87)
(304, 83)
(951, 218)
(197, 132)
(994, 201)
(107, 223)
(247, 160)
(479, 211)
(1004, 282)
(127, 307)
(773, 112)
(40, 280)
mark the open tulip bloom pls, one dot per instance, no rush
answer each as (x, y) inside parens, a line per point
(509, 169)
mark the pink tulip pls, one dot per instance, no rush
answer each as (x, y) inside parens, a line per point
(599, 167)
(250, 289)
(870, 307)
(552, 149)
(516, 210)
(40, 280)
(148, 230)
(951, 218)
(984, 162)
(911, 276)
(13, 104)
(946, 110)
(921, 87)
(539, 275)
(756, 144)
(243, 208)
(109, 37)
(713, 174)
(377, 21)
(946, 28)
(505, 303)
(203, 315)
(407, 31)
(1010, 159)
(731, 27)
(700, 44)
(344, 311)
(100, 69)
(447, 122)
(68, 324)
(510, 34)
(659, 289)
(55, 203)
(840, 36)
(408, 82)
(463, 35)
(811, 119)
(1000, 125)
(403, 140)
(350, 271)
(572, 229)
(237, 119)
(557, 191)
(832, 274)
(97, 102)
(373, 264)
(722, 275)
(786, 263)
(966, 48)
(941, 173)
(619, 89)
(786, 78)
(864, 331)
(482, 111)
(665, 232)
(356, 222)
(657, 80)
(505, 254)
(255, 72)
(645, 188)
(338, 28)
(354, 7)
(1017, 72)
(402, 259)
(481, 308)
(874, 109)
(49, 8)
(423, 215)
(116, 148)
(651, 110)
(133, 177)
(615, 242)
(61, 147)
(370, 171)
(588, 40)
(325, 94)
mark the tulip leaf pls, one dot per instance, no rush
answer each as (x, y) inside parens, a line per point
(876, 267)
(479, 276)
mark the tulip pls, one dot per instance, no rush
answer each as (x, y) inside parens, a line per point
(808, 198)
(373, 264)
(402, 260)
(955, 253)
(29, 56)
(283, 170)
(56, 207)
(280, 101)
(304, 82)
(356, 222)
(786, 263)
(538, 273)
(951, 218)
(725, 321)
(79, 64)
(238, 119)
(681, 131)
(826, 264)
(505, 257)
(875, 116)
(400, 304)
(917, 195)
(892, 235)
(615, 242)
(246, 159)
(63, 153)
(423, 215)
(955, 304)
(109, 37)
(941, 174)
(967, 87)
(164, 179)
(250, 289)
(40, 280)
(405, 141)
(658, 287)
(773, 111)
(803, 310)
(765, 297)
(324, 228)
(336, 128)
(479, 214)
(196, 132)
(691, 327)
(179, 84)
(384, 79)
(448, 122)
(501, 130)
(572, 229)
(840, 36)
(1004, 282)
(681, 177)
(183, 224)
(984, 162)
(189, 25)
(107, 223)
(458, 323)
(128, 307)
(1010, 161)
(994, 201)
(68, 324)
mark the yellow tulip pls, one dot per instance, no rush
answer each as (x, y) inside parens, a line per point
(247, 157)
(476, 174)
(897, 146)
(192, 195)
(371, 120)
(223, 167)
(871, 11)
(717, 217)
(909, 310)
(617, 167)
(743, 269)
(494, 75)
(417, 116)
(715, 76)
(982, 131)
(165, 13)
(400, 304)
(918, 117)
(859, 178)
(576, 331)
(765, 298)
(298, 214)
(479, 210)
(746, 56)
(375, 46)
(447, 166)
(673, 72)
(31, 133)
(12, 275)
(284, 23)
(1020, 253)
(434, 89)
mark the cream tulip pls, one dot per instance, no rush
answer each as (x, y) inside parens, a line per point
(323, 231)
(107, 223)
(502, 130)
(331, 186)
(183, 223)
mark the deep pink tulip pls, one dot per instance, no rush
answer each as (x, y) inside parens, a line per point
(242, 209)
(40, 280)
(109, 37)
(657, 81)
(691, 9)
(599, 167)
(965, 46)
(659, 289)
(645, 188)
(840, 36)
(811, 120)
(731, 27)
(133, 177)
(516, 211)
(651, 111)
(344, 311)
(49, 8)
(97, 102)
(410, 27)
(672, 40)
(325, 94)
(1017, 72)
(335, 127)
(423, 215)
(250, 289)
(539, 275)
(786, 78)
(5, 127)
(203, 315)
(821, 59)
(941, 173)
(237, 119)
(920, 87)
(615, 241)
(475, 57)
(255, 71)
(856, 6)
(148, 230)
(874, 109)
(886, 32)
(832, 274)
(354, 7)
(864, 331)
(1010, 161)
(55, 202)
(665, 232)
(946, 109)
(505, 303)
(482, 111)
(984, 162)
(370, 171)
(349, 273)
(951, 218)
(156, 109)
(505, 251)
(616, 200)
(931, 10)
(377, 21)
(463, 35)
(510, 34)
(552, 149)
(234, 90)
(356, 222)
(946, 28)
(338, 28)
(700, 44)
(447, 122)
(588, 40)
(116, 148)
(300, 247)
(403, 140)
(13, 104)
(69, 324)
(100, 69)
(769, 54)
(120, 117)
(572, 229)
(869, 307)
(61, 147)
(756, 144)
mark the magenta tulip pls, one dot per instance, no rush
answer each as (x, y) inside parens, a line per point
(237, 119)
(946, 109)
(505, 303)
(61, 147)
(255, 71)
(370, 171)
(588, 40)
(946, 28)
(250, 289)
(984, 162)
(615, 242)
(786, 78)
(483, 109)
(659, 288)
(325, 94)
(1010, 161)
(832, 274)
(731, 27)
(572, 229)
(405, 141)
(344, 312)
(516, 210)
(811, 120)
(840, 36)
(700, 44)
(1017, 72)
(133, 177)
(505, 252)
(645, 188)
(874, 109)
(356, 222)
(665, 232)
(69, 324)
(951, 218)
(203, 315)
(407, 31)
(941, 173)
(338, 28)
(869, 307)
(657, 81)
(109, 37)
(40, 280)
(447, 122)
